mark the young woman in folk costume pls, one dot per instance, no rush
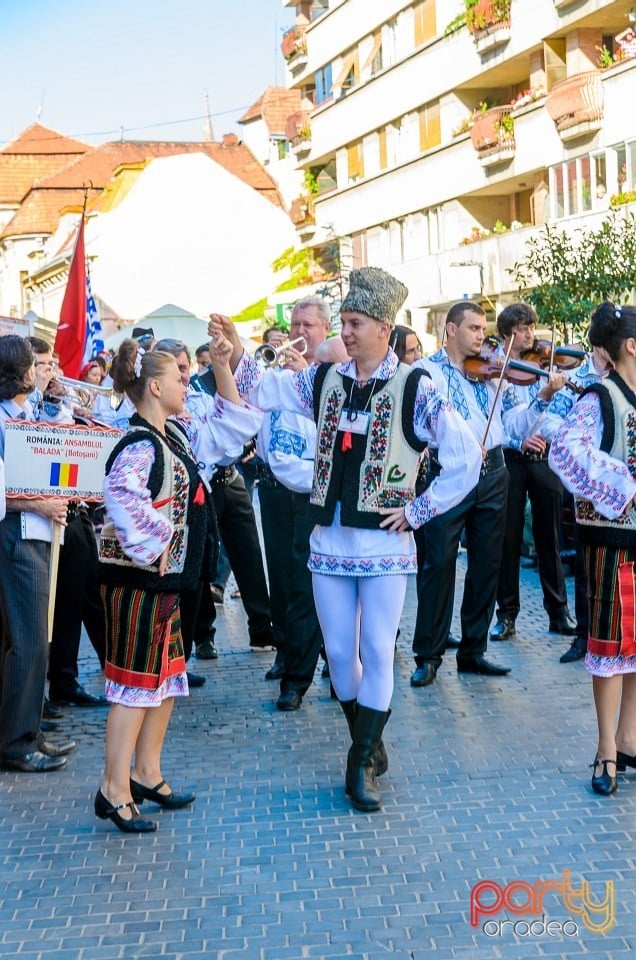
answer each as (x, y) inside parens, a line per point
(594, 453)
(158, 532)
(373, 417)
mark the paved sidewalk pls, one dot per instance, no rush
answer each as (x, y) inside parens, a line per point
(489, 780)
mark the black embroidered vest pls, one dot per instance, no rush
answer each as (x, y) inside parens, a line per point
(176, 486)
(380, 469)
(618, 408)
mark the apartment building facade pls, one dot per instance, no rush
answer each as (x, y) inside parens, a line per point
(437, 136)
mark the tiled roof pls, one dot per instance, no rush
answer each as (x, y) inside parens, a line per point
(97, 166)
(37, 139)
(274, 106)
(23, 174)
(40, 212)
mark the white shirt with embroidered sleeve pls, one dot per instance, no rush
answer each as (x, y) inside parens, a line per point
(218, 429)
(563, 401)
(585, 470)
(143, 532)
(473, 401)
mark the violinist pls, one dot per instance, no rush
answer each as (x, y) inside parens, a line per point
(481, 512)
(530, 477)
(594, 368)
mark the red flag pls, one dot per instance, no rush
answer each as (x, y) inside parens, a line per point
(71, 331)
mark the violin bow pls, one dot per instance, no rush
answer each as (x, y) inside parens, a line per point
(499, 389)
(551, 367)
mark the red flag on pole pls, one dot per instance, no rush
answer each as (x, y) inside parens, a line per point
(71, 331)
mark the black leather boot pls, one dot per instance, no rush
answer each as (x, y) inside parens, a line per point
(361, 777)
(380, 759)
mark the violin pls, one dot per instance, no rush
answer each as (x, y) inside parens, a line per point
(565, 358)
(522, 373)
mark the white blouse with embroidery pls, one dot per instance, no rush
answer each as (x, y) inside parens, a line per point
(350, 551)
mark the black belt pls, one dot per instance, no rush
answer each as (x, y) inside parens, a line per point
(266, 477)
(517, 456)
(493, 460)
(222, 476)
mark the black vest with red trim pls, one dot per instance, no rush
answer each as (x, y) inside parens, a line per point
(618, 408)
(176, 486)
(380, 468)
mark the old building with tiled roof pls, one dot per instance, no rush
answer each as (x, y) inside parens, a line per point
(265, 130)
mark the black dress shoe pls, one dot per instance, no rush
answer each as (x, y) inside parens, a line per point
(605, 784)
(51, 712)
(277, 669)
(56, 749)
(207, 651)
(289, 700)
(503, 630)
(78, 697)
(624, 760)
(195, 679)
(261, 643)
(35, 762)
(576, 652)
(171, 801)
(423, 675)
(107, 811)
(47, 727)
(479, 664)
(564, 625)
(452, 643)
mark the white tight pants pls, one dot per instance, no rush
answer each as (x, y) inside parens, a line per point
(359, 618)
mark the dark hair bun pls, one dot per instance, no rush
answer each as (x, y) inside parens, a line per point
(123, 367)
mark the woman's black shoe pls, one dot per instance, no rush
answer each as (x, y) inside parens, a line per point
(604, 784)
(623, 760)
(105, 810)
(172, 801)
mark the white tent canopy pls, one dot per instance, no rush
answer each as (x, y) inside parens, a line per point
(167, 321)
(189, 233)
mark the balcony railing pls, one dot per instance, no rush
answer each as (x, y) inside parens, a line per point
(294, 47)
(493, 135)
(576, 105)
(489, 23)
(298, 131)
(301, 214)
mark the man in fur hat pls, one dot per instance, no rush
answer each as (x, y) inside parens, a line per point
(374, 416)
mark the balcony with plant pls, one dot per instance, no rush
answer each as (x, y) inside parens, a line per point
(493, 135)
(294, 46)
(487, 20)
(298, 131)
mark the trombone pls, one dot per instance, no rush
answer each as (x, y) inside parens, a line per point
(271, 356)
(85, 391)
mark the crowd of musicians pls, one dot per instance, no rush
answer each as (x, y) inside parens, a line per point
(372, 463)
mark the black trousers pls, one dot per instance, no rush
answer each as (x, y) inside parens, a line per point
(482, 513)
(286, 532)
(24, 593)
(535, 479)
(77, 601)
(237, 526)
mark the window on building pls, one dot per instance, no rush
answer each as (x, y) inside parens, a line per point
(390, 42)
(430, 127)
(425, 21)
(323, 82)
(349, 75)
(585, 183)
(373, 62)
(599, 167)
(355, 165)
(558, 192)
(359, 250)
(281, 146)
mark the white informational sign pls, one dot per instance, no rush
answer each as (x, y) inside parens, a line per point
(65, 460)
(15, 325)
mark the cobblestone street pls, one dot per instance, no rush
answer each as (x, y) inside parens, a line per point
(488, 780)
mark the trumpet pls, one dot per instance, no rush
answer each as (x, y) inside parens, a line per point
(85, 391)
(275, 356)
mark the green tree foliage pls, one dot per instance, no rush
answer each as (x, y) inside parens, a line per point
(565, 275)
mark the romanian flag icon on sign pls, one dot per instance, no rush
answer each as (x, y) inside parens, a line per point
(63, 475)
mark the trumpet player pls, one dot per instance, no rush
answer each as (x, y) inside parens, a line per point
(286, 445)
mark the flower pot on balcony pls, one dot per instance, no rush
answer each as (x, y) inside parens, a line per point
(492, 136)
(298, 132)
(576, 105)
(489, 23)
(294, 48)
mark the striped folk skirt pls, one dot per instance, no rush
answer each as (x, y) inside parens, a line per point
(611, 644)
(144, 648)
